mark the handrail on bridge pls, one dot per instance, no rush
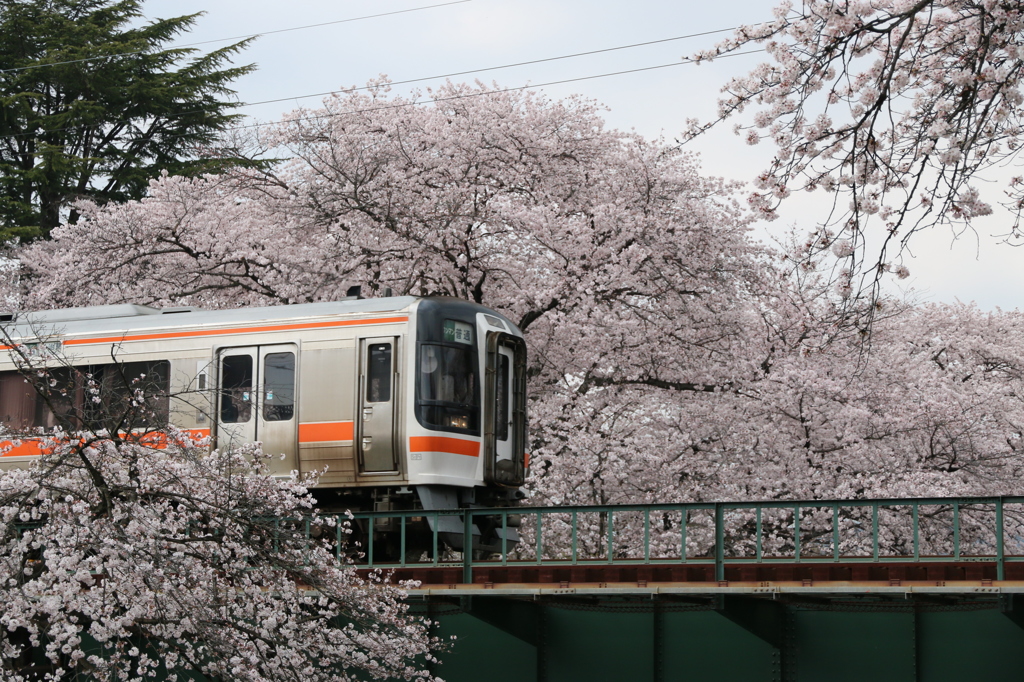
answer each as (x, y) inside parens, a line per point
(939, 529)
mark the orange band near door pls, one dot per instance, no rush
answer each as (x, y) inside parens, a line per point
(455, 446)
(326, 431)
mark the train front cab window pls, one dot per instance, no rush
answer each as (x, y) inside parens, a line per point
(256, 400)
(448, 394)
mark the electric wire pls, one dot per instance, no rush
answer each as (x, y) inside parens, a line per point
(451, 74)
(245, 37)
(489, 68)
(485, 93)
(426, 101)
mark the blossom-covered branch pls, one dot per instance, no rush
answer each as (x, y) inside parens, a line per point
(899, 109)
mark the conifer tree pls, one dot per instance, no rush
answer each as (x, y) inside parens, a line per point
(93, 105)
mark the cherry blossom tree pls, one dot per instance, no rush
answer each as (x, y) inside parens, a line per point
(930, 408)
(671, 357)
(630, 273)
(137, 552)
(899, 109)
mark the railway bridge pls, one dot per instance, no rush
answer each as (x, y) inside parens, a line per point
(907, 590)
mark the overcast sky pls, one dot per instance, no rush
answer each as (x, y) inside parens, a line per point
(415, 40)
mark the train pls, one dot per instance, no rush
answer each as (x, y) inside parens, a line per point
(401, 402)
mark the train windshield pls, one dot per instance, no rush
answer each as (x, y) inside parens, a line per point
(448, 392)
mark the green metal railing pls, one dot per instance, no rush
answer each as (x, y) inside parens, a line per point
(807, 532)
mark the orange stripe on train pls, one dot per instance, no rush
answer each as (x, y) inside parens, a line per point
(32, 447)
(326, 431)
(237, 330)
(27, 448)
(455, 446)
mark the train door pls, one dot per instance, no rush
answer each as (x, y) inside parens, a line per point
(256, 400)
(377, 435)
(505, 410)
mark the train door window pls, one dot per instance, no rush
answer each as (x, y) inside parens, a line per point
(278, 386)
(378, 374)
(236, 389)
(376, 429)
(502, 386)
(504, 405)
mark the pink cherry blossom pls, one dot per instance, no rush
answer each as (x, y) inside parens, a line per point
(121, 561)
(910, 103)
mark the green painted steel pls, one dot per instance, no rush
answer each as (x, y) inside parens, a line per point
(741, 639)
(923, 530)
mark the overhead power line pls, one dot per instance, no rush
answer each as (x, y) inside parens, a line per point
(489, 92)
(491, 68)
(245, 37)
(328, 23)
(485, 93)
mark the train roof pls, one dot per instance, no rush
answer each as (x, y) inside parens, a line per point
(128, 317)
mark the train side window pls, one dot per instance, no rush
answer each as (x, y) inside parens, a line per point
(153, 379)
(118, 388)
(236, 389)
(122, 385)
(378, 374)
(17, 401)
(22, 407)
(65, 396)
(278, 387)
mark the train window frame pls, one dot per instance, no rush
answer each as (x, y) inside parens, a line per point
(379, 383)
(279, 397)
(77, 404)
(431, 412)
(244, 398)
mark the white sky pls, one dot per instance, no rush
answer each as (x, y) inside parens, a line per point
(484, 33)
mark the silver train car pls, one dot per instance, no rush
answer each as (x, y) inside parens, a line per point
(407, 402)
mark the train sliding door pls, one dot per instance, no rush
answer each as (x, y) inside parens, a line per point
(505, 410)
(256, 400)
(378, 400)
